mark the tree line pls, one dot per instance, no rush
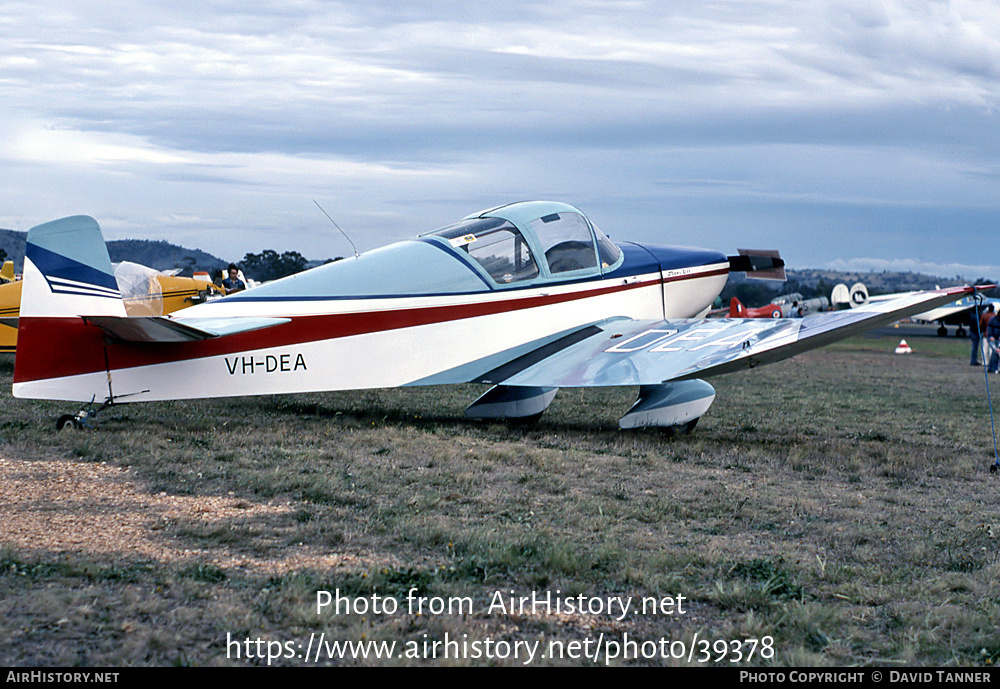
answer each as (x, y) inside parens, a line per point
(270, 265)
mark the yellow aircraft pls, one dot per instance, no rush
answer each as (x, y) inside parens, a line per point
(146, 292)
(10, 304)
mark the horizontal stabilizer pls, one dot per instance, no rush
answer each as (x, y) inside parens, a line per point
(160, 329)
(759, 264)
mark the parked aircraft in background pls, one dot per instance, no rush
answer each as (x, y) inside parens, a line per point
(148, 292)
(785, 306)
(526, 297)
(738, 310)
(10, 302)
(957, 313)
(843, 298)
(797, 307)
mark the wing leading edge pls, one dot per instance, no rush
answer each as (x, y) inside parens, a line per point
(653, 352)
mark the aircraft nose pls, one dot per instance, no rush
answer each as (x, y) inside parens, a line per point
(675, 257)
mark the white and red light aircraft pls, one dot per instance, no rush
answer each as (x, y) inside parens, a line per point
(528, 297)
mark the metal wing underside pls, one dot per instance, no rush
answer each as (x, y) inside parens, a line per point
(161, 329)
(944, 312)
(629, 352)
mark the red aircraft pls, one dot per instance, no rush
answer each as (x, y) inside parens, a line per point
(737, 310)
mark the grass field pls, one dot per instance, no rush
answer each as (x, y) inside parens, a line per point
(837, 506)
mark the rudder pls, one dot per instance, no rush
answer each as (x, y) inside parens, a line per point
(67, 277)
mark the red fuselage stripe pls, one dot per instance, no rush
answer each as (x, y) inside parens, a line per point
(58, 347)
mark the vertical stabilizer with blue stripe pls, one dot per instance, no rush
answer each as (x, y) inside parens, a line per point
(67, 271)
(67, 278)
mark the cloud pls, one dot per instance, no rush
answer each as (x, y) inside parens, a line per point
(968, 273)
(792, 122)
(52, 145)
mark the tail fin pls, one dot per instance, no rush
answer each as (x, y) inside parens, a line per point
(859, 295)
(7, 272)
(736, 308)
(67, 276)
(67, 271)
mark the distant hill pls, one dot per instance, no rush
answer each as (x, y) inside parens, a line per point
(12, 243)
(163, 255)
(885, 282)
(822, 281)
(160, 255)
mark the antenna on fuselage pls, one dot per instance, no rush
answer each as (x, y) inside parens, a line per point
(338, 227)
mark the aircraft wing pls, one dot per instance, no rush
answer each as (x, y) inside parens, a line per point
(943, 312)
(629, 352)
(935, 314)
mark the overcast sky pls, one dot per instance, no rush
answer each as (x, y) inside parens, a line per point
(847, 134)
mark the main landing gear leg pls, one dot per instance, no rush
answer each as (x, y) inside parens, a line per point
(83, 418)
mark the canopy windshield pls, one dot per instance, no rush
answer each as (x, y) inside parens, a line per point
(533, 240)
(496, 245)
